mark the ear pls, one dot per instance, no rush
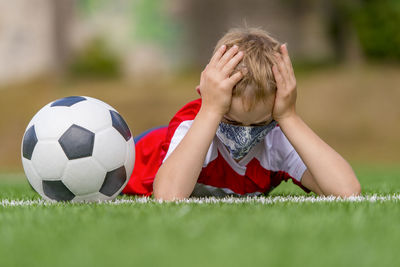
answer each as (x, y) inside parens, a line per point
(198, 90)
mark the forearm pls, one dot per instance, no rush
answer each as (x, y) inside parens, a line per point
(177, 176)
(331, 172)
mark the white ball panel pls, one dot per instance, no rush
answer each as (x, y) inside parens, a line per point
(129, 158)
(99, 102)
(52, 122)
(91, 116)
(109, 148)
(32, 176)
(49, 160)
(84, 176)
(38, 114)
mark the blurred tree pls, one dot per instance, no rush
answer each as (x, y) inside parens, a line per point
(96, 60)
(62, 13)
(302, 24)
(344, 35)
(378, 27)
(90, 6)
(152, 24)
(370, 26)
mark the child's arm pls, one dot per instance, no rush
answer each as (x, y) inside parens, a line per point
(178, 174)
(327, 172)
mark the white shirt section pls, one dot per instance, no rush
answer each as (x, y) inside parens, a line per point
(279, 155)
(275, 153)
(180, 132)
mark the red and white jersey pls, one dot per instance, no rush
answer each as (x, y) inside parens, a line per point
(270, 162)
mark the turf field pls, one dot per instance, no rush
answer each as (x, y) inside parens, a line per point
(288, 228)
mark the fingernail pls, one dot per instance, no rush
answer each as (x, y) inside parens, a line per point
(235, 46)
(222, 46)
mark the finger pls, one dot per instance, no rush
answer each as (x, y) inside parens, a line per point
(230, 66)
(280, 82)
(235, 78)
(217, 56)
(286, 59)
(281, 66)
(227, 56)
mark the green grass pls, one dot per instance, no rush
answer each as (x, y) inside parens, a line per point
(190, 234)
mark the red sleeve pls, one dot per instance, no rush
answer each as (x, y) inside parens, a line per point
(187, 112)
(151, 150)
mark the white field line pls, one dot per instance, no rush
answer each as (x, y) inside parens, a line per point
(213, 200)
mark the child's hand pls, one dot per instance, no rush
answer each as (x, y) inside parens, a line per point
(216, 82)
(285, 99)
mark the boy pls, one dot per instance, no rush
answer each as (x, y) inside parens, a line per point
(243, 137)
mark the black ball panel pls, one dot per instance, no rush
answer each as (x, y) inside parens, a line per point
(120, 125)
(77, 142)
(29, 142)
(56, 190)
(113, 181)
(67, 101)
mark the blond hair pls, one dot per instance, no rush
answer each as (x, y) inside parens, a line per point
(259, 47)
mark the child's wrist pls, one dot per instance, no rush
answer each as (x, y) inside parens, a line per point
(287, 120)
(210, 115)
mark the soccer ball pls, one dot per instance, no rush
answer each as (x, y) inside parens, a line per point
(78, 148)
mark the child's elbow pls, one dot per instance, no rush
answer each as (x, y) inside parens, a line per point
(166, 196)
(352, 190)
(162, 193)
(158, 192)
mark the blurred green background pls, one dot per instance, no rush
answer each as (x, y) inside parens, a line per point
(144, 57)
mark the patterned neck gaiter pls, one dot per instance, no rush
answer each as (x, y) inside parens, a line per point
(240, 139)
